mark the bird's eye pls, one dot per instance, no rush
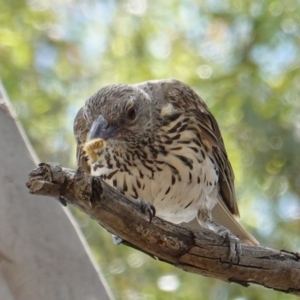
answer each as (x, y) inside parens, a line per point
(131, 113)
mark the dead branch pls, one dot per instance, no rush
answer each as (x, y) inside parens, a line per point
(197, 251)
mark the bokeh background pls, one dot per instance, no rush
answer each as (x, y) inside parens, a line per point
(242, 57)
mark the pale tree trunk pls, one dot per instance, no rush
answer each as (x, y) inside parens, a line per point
(43, 255)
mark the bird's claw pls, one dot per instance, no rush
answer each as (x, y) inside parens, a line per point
(147, 208)
(235, 248)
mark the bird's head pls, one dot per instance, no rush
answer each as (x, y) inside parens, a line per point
(122, 115)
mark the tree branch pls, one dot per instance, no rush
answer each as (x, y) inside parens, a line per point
(197, 251)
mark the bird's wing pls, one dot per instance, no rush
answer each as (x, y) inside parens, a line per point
(185, 100)
(211, 136)
(81, 130)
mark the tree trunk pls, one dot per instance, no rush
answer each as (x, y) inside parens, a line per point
(43, 254)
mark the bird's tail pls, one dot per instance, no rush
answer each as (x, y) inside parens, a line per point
(224, 217)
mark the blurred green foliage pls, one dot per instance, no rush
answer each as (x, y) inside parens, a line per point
(242, 57)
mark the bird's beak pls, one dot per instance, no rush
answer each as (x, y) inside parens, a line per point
(101, 129)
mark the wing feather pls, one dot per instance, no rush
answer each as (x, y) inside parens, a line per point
(187, 101)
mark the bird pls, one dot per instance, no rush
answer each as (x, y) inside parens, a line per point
(158, 141)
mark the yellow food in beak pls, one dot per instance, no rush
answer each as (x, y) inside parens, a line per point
(93, 147)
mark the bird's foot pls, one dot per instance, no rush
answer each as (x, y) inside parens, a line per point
(235, 249)
(146, 208)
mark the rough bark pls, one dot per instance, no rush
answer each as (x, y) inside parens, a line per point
(43, 254)
(197, 251)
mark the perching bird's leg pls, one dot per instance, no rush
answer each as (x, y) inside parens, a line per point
(235, 249)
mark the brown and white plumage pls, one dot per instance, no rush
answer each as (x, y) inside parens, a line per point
(164, 146)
